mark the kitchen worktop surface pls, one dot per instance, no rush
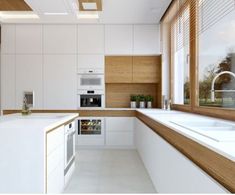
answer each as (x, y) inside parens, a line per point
(169, 119)
(38, 121)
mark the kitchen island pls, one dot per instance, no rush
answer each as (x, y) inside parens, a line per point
(32, 152)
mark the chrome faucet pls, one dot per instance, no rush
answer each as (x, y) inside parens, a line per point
(25, 108)
(213, 85)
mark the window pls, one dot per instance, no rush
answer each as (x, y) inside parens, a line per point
(180, 53)
(216, 53)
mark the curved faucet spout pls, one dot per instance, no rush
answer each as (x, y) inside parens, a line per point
(213, 84)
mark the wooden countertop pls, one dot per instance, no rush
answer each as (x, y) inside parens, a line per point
(217, 166)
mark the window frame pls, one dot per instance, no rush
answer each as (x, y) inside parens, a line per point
(193, 106)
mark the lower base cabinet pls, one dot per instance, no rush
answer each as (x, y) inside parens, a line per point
(119, 131)
(170, 171)
(55, 161)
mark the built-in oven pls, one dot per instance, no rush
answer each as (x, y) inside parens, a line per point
(91, 99)
(90, 131)
(91, 81)
(70, 133)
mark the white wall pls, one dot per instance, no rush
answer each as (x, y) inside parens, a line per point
(25, 66)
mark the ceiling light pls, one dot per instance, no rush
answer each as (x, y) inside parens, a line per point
(88, 15)
(89, 6)
(18, 15)
(56, 14)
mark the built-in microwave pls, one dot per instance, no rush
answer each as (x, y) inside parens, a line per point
(91, 81)
(91, 99)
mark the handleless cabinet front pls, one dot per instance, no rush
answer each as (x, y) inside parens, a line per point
(118, 69)
(55, 161)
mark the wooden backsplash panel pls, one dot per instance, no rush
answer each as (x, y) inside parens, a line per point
(118, 95)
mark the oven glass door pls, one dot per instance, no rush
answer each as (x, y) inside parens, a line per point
(70, 147)
(91, 81)
(90, 101)
(90, 127)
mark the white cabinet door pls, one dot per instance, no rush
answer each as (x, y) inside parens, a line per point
(8, 82)
(29, 78)
(28, 39)
(8, 38)
(170, 171)
(119, 124)
(55, 161)
(60, 78)
(146, 39)
(90, 39)
(118, 39)
(119, 131)
(60, 39)
(88, 63)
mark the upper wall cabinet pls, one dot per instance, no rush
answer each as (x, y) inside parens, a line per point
(60, 82)
(146, 69)
(28, 39)
(118, 69)
(59, 39)
(90, 39)
(146, 40)
(87, 63)
(118, 39)
(8, 82)
(8, 39)
(29, 78)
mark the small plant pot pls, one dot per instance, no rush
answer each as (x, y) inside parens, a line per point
(133, 104)
(142, 104)
(149, 104)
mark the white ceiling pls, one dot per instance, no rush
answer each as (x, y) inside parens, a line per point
(114, 11)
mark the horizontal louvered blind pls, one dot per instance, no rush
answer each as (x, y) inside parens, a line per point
(206, 13)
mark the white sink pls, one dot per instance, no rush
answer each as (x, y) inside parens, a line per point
(218, 131)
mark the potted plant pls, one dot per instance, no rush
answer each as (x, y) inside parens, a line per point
(141, 101)
(149, 100)
(133, 101)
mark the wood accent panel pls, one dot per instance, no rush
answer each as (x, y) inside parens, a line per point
(118, 69)
(214, 164)
(118, 95)
(14, 5)
(86, 113)
(146, 69)
(98, 4)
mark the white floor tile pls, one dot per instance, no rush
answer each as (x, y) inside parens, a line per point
(109, 171)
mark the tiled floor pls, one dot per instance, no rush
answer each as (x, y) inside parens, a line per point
(109, 171)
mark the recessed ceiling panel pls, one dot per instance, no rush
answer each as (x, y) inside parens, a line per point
(49, 6)
(82, 5)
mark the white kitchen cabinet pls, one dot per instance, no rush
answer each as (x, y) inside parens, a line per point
(146, 40)
(8, 38)
(119, 131)
(29, 78)
(60, 78)
(59, 39)
(55, 161)
(166, 165)
(118, 39)
(88, 63)
(7, 81)
(28, 39)
(91, 39)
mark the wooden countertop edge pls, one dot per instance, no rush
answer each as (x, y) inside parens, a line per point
(217, 166)
(84, 113)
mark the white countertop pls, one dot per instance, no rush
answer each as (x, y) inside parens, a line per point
(39, 121)
(226, 149)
